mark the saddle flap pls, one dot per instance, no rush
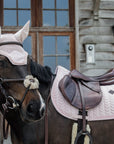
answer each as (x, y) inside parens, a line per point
(67, 88)
(71, 92)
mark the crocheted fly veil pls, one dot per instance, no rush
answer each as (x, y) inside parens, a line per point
(13, 51)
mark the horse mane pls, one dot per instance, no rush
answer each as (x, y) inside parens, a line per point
(42, 73)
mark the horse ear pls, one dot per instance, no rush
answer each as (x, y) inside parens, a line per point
(22, 34)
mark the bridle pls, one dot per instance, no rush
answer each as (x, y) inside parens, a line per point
(10, 102)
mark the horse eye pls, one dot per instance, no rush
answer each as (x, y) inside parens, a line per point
(4, 64)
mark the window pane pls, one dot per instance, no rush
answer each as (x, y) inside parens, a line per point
(48, 4)
(62, 4)
(10, 18)
(49, 45)
(24, 16)
(62, 18)
(9, 3)
(23, 3)
(51, 62)
(64, 61)
(27, 45)
(48, 18)
(63, 45)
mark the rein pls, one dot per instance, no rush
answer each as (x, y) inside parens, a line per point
(46, 112)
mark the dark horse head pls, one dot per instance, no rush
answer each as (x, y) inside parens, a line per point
(19, 91)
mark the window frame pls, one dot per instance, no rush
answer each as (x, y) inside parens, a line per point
(37, 12)
(37, 30)
(72, 45)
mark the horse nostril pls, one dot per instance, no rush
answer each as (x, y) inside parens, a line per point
(30, 108)
(35, 109)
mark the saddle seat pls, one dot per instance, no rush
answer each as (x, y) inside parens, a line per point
(80, 90)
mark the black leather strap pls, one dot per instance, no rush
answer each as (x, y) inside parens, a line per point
(11, 43)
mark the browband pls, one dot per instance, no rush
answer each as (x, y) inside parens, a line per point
(11, 43)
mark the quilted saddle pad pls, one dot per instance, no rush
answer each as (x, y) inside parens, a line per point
(104, 111)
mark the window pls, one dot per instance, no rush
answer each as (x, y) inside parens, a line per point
(16, 12)
(51, 37)
(55, 13)
(27, 45)
(57, 49)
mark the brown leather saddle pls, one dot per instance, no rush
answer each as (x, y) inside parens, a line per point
(77, 85)
(84, 92)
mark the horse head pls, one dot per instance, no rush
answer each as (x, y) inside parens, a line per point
(19, 90)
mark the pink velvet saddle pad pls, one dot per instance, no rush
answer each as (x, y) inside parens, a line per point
(104, 111)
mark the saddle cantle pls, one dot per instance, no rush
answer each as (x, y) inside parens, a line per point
(105, 79)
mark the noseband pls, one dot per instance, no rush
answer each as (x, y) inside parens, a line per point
(11, 103)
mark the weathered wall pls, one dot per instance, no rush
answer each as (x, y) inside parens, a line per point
(98, 32)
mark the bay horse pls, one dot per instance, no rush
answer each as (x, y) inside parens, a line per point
(59, 127)
(20, 99)
(25, 129)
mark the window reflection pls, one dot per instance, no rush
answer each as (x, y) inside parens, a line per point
(56, 51)
(62, 4)
(10, 18)
(9, 3)
(23, 16)
(48, 18)
(64, 61)
(56, 13)
(24, 3)
(62, 18)
(48, 4)
(49, 45)
(63, 44)
(51, 62)
(16, 12)
(27, 45)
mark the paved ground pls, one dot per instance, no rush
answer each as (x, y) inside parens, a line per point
(8, 141)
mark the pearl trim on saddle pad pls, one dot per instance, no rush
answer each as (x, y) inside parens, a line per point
(104, 111)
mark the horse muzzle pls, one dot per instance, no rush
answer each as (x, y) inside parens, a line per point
(34, 111)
